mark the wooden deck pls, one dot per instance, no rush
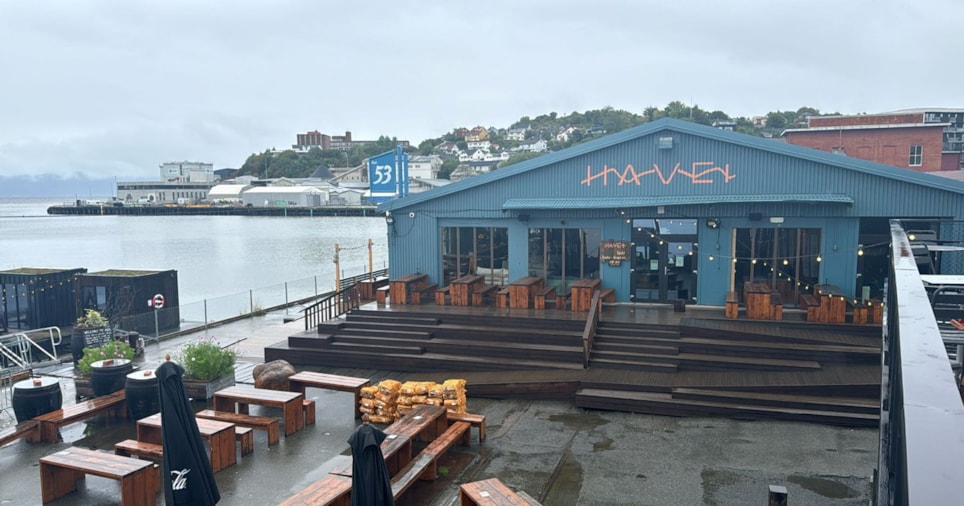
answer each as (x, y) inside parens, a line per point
(645, 359)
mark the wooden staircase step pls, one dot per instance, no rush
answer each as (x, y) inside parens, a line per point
(704, 361)
(665, 404)
(637, 365)
(847, 404)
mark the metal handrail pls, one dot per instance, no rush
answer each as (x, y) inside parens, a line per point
(25, 346)
(12, 356)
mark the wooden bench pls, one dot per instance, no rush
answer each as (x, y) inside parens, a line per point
(50, 423)
(776, 306)
(60, 471)
(811, 305)
(304, 379)
(309, 406)
(492, 492)
(333, 489)
(269, 424)
(606, 295)
(142, 449)
(428, 292)
(29, 429)
(547, 294)
(477, 421)
(732, 308)
(381, 295)
(441, 294)
(424, 466)
(562, 300)
(502, 298)
(479, 296)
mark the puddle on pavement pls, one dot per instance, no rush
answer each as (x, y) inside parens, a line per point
(579, 421)
(602, 445)
(566, 485)
(825, 487)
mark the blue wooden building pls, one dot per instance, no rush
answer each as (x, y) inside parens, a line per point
(674, 210)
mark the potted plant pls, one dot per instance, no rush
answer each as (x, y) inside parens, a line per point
(90, 330)
(208, 367)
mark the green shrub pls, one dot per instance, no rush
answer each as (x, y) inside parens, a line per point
(112, 349)
(204, 359)
(91, 319)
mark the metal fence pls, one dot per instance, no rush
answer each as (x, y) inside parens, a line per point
(288, 295)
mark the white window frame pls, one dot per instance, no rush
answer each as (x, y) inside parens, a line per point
(916, 155)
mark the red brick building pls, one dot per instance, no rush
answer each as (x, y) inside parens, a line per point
(919, 140)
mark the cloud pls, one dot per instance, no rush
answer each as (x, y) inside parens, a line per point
(112, 88)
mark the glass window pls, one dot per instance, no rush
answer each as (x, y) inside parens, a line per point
(562, 256)
(475, 250)
(916, 155)
(787, 258)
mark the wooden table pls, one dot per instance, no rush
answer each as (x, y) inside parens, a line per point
(220, 437)
(461, 289)
(400, 289)
(424, 421)
(59, 473)
(396, 449)
(489, 492)
(289, 402)
(367, 287)
(299, 381)
(582, 291)
(523, 291)
(833, 304)
(756, 298)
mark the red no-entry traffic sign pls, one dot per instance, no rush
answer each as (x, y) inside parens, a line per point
(157, 302)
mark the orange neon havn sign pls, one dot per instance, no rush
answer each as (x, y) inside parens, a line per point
(699, 173)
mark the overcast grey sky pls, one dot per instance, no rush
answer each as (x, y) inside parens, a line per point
(113, 88)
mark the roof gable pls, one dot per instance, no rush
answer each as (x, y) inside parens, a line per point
(684, 127)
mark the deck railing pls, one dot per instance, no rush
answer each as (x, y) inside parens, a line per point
(921, 431)
(338, 303)
(589, 334)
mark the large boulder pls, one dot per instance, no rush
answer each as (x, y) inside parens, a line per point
(273, 375)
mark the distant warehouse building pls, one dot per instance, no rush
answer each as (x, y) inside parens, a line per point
(284, 196)
(674, 210)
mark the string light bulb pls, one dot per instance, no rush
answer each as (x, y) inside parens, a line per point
(819, 258)
(860, 250)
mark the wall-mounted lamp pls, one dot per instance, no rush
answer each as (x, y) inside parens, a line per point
(713, 223)
(389, 219)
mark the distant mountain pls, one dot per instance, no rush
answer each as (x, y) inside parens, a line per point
(55, 186)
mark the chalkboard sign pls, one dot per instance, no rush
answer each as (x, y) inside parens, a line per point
(614, 252)
(95, 338)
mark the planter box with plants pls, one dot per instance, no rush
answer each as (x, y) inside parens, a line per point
(208, 367)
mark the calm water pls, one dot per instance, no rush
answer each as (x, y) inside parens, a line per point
(214, 256)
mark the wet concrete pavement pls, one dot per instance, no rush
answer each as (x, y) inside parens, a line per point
(559, 454)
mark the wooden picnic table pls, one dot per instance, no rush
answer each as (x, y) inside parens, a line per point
(491, 492)
(301, 380)
(461, 289)
(522, 292)
(423, 421)
(756, 298)
(60, 471)
(367, 287)
(582, 291)
(238, 398)
(401, 288)
(220, 437)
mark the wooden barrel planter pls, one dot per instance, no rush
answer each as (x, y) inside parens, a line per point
(143, 397)
(109, 376)
(36, 396)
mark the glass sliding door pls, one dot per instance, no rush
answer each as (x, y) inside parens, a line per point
(475, 250)
(562, 256)
(788, 259)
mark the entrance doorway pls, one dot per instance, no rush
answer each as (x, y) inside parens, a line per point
(788, 259)
(664, 260)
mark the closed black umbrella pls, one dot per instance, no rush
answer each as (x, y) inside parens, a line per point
(371, 485)
(187, 477)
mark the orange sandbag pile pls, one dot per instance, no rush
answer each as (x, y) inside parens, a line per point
(412, 394)
(379, 404)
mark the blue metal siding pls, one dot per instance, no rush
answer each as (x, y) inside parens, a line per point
(740, 166)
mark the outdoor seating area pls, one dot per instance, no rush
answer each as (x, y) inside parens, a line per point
(424, 424)
(527, 292)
